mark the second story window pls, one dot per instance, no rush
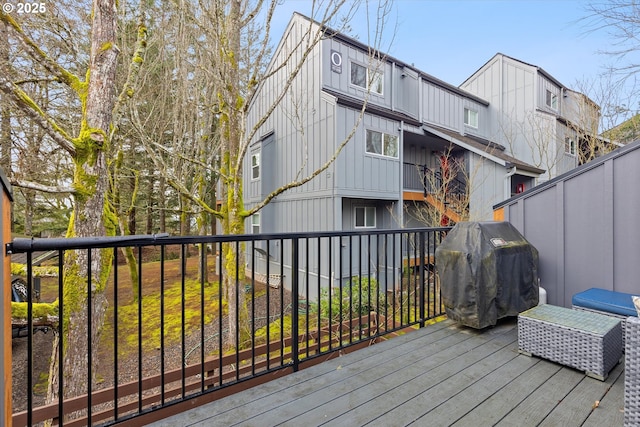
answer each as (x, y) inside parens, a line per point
(470, 117)
(382, 143)
(255, 166)
(361, 76)
(570, 146)
(552, 100)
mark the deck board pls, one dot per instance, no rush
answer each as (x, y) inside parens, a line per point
(428, 380)
(443, 374)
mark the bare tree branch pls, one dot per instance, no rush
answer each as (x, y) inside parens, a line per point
(53, 189)
(621, 19)
(42, 58)
(24, 103)
(134, 69)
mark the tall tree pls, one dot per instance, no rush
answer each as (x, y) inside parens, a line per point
(236, 37)
(86, 143)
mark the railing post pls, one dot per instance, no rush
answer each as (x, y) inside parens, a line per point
(425, 180)
(295, 276)
(423, 254)
(5, 308)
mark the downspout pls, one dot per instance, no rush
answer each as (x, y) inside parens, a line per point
(393, 84)
(400, 204)
(507, 183)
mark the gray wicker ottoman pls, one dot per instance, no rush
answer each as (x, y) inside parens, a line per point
(583, 340)
(632, 373)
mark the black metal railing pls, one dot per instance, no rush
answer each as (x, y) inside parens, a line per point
(421, 178)
(300, 298)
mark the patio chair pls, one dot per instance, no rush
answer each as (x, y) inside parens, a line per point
(632, 373)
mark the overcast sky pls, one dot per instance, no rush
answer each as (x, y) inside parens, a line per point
(451, 39)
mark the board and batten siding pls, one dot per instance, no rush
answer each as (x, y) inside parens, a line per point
(584, 225)
(298, 215)
(441, 107)
(580, 110)
(509, 87)
(486, 186)
(362, 174)
(339, 78)
(301, 127)
(406, 91)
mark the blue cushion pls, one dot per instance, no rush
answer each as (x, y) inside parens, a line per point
(605, 300)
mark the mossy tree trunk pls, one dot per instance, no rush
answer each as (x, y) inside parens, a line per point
(84, 302)
(231, 126)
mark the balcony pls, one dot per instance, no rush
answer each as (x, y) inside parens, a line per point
(308, 297)
(447, 193)
(374, 349)
(440, 375)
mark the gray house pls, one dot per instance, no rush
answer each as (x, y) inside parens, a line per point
(416, 139)
(536, 117)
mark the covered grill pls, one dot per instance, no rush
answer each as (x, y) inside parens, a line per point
(487, 271)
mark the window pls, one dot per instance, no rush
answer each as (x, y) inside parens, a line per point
(255, 223)
(470, 117)
(382, 143)
(570, 146)
(360, 75)
(552, 100)
(365, 217)
(255, 166)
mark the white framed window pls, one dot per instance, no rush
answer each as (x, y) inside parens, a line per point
(255, 223)
(570, 146)
(381, 143)
(255, 166)
(365, 217)
(552, 100)
(360, 75)
(471, 117)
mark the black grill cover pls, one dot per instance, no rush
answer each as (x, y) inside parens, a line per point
(487, 271)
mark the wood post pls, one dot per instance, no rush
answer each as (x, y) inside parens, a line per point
(5, 306)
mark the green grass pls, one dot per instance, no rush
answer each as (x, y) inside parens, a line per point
(129, 314)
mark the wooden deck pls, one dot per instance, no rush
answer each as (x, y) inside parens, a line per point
(441, 375)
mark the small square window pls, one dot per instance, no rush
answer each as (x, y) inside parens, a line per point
(362, 77)
(470, 117)
(570, 146)
(365, 217)
(552, 100)
(255, 166)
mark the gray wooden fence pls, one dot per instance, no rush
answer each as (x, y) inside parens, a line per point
(585, 225)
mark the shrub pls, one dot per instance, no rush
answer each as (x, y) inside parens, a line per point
(358, 297)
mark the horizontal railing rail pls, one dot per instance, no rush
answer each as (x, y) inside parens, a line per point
(422, 178)
(301, 298)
